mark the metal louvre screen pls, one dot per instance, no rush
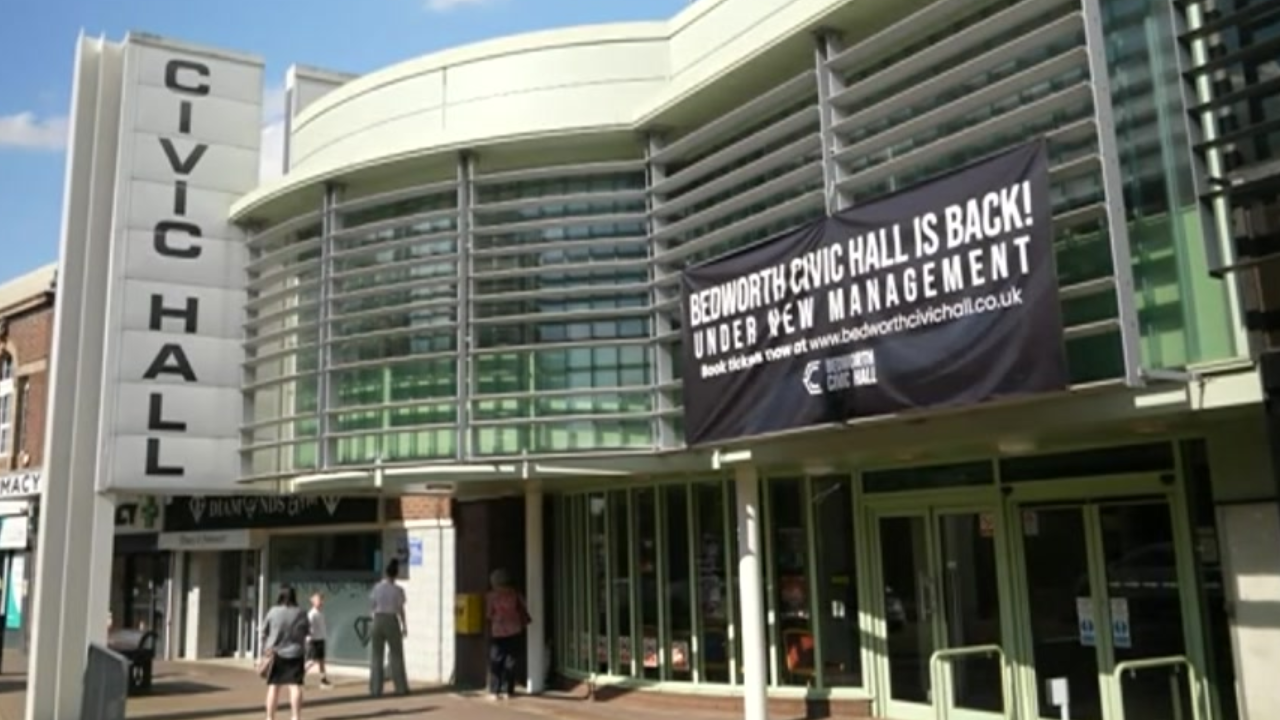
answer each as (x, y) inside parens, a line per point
(944, 294)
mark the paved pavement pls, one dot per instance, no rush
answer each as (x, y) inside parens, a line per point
(212, 690)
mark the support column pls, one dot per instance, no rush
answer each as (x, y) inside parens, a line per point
(465, 173)
(328, 226)
(77, 525)
(535, 593)
(751, 596)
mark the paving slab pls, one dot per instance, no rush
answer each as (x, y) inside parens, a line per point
(232, 691)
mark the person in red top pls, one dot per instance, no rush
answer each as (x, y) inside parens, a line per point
(507, 614)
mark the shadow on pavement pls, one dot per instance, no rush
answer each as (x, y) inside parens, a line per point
(310, 702)
(381, 713)
(166, 687)
(14, 684)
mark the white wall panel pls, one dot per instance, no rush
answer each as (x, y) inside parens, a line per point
(210, 359)
(209, 209)
(220, 121)
(230, 169)
(234, 76)
(188, 98)
(221, 262)
(207, 411)
(219, 312)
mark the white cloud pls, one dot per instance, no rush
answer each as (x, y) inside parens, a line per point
(25, 130)
(271, 157)
(442, 6)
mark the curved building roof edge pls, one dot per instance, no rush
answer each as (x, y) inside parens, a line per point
(668, 94)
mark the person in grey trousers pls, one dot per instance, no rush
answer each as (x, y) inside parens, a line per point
(386, 639)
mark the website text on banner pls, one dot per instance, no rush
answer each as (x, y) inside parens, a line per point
(943, 294)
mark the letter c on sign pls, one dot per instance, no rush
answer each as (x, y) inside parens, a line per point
(161, 239)
(174, 81)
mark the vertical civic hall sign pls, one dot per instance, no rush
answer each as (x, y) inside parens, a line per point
(940, 295)
(188, 148)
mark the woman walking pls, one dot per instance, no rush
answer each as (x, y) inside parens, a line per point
(508, 616)
(284, 637)
(386, 640)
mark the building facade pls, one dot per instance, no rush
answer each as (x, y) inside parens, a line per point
(467, 284)
(26, 323)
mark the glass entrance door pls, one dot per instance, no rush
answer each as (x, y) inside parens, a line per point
(1105, 610)
(238, 610)
(942, 606)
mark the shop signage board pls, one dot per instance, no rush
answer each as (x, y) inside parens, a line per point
(23, 484)
(203, 541)
(230, 512)
(14, 532)
(941, 295)
(188, 148)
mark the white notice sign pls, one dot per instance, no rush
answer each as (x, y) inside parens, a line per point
(1085, 624)
(1121, 632)
(189, 145)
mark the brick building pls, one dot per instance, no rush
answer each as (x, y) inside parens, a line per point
(26, 324)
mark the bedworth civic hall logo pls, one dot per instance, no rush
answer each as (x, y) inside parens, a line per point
(843, 372)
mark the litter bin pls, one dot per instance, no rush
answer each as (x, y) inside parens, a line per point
(106, 685)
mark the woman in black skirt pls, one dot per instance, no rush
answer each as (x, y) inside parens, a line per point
(284, 636)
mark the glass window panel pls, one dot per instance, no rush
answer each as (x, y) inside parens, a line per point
(343, 568)
(598, 548)
(487, 192)
(443, 272)
(788, 523)
(398, 208)
(306, 456)
(383, 347)
(645, 504)
(599, 434)
(714, 593)
(837, 576)
(620, 539)
(433, 444)
(359, 450)
(679, 582)
(553, 210)
(505, 440)
(1184, 311)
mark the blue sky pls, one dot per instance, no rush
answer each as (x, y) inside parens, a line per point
(37, 42)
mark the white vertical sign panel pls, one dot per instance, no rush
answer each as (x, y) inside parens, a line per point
(189, 145)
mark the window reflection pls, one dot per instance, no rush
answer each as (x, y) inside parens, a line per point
(794, 630)
(647, 570)
(597, 510)
(837, 582)
(710, 549)
(620, 532)
(679, 586)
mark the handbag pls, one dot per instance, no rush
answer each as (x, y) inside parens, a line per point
(265, 662)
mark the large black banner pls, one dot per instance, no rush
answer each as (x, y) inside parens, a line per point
(944, 294)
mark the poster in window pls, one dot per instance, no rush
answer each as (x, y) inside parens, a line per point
(793, 596)
(680, 655)
(624, 651)
(651, 652)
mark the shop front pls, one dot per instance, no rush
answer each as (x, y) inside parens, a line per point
(1080, 584)
(140, 570)
(19, 514)
(234, 554)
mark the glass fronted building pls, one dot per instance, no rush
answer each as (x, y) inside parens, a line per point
(467, 281)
